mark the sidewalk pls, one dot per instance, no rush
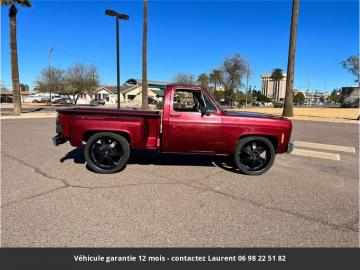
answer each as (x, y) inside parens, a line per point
(30, 115)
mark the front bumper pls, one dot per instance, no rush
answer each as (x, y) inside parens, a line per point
(289, 148)
(58, 140)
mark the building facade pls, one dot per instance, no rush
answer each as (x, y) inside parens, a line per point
(104, 92)
(273, 89)
(132, 90)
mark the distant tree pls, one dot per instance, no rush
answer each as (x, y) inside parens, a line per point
(13, 49)
(219, 95)
(233, 68)
(184, 78)
(263, 98)
(51, 79)
(24, 87)
(258, 96)
(352, 65)
(203, 80)
(216, 77)
(335, 96)
(299, 98)
(81, 79)
(277, 76)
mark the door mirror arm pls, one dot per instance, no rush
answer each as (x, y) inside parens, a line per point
(204, 111)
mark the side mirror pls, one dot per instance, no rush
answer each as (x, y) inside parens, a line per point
(204, 111)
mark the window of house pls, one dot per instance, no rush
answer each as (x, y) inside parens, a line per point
(106, 97)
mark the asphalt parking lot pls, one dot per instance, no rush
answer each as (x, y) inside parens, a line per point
(50, 199)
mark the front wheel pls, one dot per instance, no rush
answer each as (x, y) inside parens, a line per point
(254, 155)
(107, 152)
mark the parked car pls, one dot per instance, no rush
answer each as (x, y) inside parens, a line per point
(97, 101)
(5, 99)
(40, 100)
(62, 101)
(151, 100)
(198, 126)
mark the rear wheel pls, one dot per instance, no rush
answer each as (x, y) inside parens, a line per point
(254, 155)
(107, 152)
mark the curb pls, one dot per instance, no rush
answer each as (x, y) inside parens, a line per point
(308, 153)
(325, 146)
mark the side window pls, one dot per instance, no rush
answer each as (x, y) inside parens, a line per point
(186, 101)
(209, 105)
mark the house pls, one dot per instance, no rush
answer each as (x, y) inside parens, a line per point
(7, 96)
(107, 93)
(132, 90)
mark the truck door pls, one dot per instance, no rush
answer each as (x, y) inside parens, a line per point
(190, 130)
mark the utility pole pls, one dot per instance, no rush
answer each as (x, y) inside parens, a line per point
(324, 92)
(49, 70)
(247, 84)
(308, 86)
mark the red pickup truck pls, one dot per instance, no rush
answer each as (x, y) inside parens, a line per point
(191, 123)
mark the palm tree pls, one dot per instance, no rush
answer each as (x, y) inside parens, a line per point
(277, 76)
(288, 106)
(144, 100)
(13, 49)
(216, 77)
(203, 80)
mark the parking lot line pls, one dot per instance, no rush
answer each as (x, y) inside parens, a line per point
(325, 146)
(315, 154)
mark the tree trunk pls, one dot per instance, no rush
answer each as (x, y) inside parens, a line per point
(274, 90)
(288, 106)
(144, 100)
(14, 61)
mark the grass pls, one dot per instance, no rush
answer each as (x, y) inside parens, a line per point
(334, 113)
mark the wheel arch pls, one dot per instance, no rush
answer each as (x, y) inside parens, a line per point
(89, 133)
(273, 139)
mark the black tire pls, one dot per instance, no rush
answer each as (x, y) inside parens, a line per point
(107, 152)
(254, 155)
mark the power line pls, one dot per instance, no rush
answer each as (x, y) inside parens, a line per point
(93, 61)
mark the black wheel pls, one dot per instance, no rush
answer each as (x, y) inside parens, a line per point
(107, 152)
(254, 155)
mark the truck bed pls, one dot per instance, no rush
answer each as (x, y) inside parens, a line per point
(143, 127)
(110, 111)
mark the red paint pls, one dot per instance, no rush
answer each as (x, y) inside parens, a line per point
(182, 132)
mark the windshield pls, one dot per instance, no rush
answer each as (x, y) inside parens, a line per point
(216, 102)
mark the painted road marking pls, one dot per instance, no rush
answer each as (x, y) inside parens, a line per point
(325, 146)
(315, 154)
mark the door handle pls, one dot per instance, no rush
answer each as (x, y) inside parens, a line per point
(175, 115)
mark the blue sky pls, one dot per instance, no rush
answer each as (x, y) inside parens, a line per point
(186, 36)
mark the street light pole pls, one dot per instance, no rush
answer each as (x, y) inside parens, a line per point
(118, 16)
(117, 62)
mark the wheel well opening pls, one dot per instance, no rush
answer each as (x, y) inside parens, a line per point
(272, 139)
(88, 134)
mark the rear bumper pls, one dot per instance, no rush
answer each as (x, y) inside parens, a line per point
(289, 148)
(58, 140)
